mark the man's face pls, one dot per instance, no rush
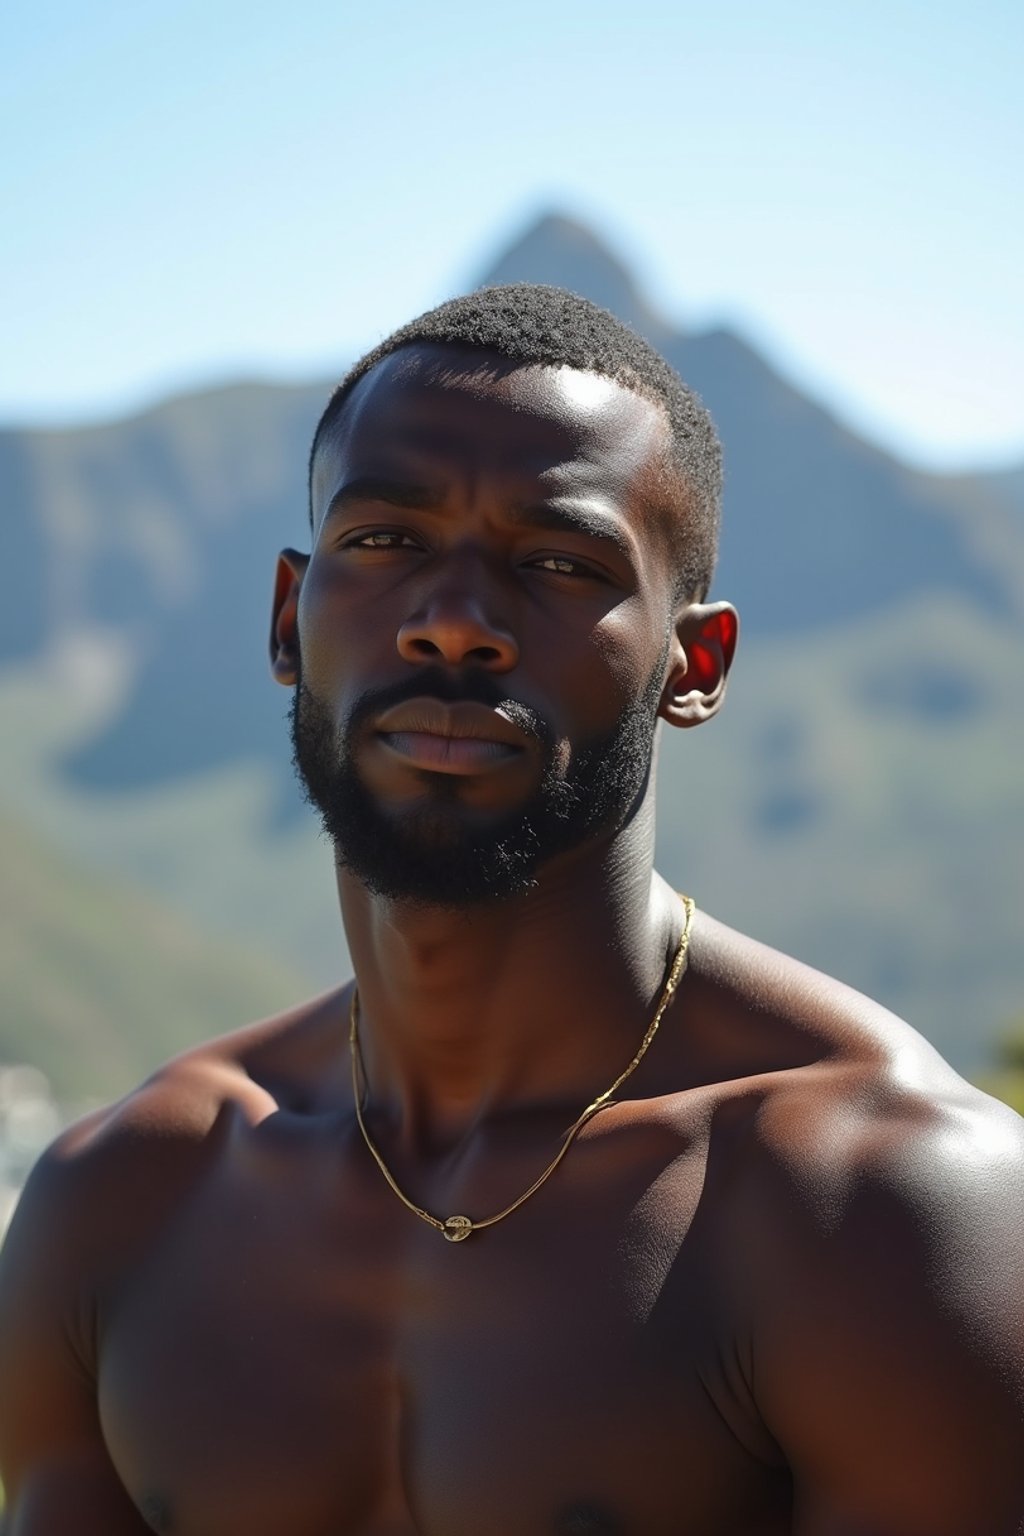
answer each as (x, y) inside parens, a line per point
(483, 626)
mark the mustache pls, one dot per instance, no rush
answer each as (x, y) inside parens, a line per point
(436, 683)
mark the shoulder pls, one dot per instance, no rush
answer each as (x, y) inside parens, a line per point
(859, 1163)
(766, 1007)
(839, 1102)
(860, 1170)
(250, 1073)
(106, 1183)
(97, 1199)
(873, 1238)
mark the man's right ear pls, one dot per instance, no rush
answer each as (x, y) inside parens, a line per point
(284, 627)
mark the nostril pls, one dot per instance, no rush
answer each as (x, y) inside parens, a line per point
(456, 641)
(422, 647)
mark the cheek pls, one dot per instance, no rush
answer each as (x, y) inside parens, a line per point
(314, 598)
(630, 644)
(332, 633)
(597, 680)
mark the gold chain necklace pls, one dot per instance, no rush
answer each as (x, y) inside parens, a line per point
(457, 1228)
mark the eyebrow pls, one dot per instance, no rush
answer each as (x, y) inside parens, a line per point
(395, 493)
(587, 520)
(551, 515)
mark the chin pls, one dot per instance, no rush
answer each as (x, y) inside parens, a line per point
(438, 857)
(436, 829)
(447, 884)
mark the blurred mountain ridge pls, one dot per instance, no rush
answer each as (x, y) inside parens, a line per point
(883, 623)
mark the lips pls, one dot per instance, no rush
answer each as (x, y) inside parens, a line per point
(461, 738)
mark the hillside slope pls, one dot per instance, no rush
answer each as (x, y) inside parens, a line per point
(101, 983)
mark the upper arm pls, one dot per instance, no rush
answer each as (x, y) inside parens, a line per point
(53, 1462)
(889, 1349)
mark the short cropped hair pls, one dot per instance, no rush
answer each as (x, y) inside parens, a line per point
(532, 323)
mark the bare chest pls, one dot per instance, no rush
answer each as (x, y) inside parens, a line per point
(295, 1360)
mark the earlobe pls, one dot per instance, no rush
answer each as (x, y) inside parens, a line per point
(706, 635)
(284, 628)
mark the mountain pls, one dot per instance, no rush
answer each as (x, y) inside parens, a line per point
(553, 247)
(859, 802)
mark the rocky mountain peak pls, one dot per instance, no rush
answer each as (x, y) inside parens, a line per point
(555, 248)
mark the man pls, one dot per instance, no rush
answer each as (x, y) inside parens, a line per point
(583, 1215)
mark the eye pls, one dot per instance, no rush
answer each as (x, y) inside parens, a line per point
(563, 565)
(381, 538)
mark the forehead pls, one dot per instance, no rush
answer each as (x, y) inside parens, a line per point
(435, 412)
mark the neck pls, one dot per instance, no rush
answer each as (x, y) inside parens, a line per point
(537, 1001)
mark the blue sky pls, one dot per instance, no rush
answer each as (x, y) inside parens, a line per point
(205, 190)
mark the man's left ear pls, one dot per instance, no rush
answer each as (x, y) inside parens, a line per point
(701, 655)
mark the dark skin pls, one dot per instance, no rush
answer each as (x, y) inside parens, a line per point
(775, 1287)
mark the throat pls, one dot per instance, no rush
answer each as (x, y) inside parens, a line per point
(439, 1051)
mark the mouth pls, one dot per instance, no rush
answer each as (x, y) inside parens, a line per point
(459, 738)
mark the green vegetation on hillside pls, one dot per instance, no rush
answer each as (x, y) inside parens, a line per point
(101, 983)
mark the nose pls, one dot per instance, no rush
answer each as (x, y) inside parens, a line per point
(453, 626)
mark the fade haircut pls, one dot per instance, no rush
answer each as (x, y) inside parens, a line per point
(531, 323)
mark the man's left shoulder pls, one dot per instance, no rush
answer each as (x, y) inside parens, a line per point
(892, 1156)
(873, 1232)
(880, 1254)
(883, 1223)
(846, 1101)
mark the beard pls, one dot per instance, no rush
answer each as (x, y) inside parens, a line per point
(436, 851)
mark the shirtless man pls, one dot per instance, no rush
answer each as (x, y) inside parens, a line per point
(774, 1285)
